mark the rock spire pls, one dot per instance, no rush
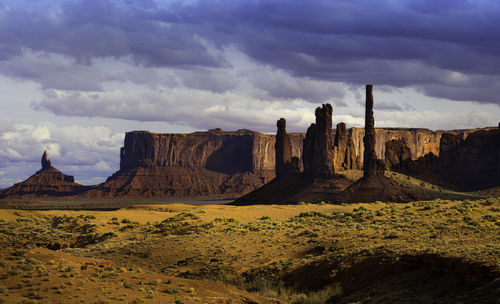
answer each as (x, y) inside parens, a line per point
(45, 161)
(318, 148)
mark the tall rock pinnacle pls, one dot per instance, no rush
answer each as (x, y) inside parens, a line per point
(370, 162)
(45, 162)
(283, 149)
(318, 148)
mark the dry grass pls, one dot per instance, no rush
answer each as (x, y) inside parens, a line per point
(307, 253)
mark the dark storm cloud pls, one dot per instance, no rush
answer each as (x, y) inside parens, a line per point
(99, 28)
(441, 47)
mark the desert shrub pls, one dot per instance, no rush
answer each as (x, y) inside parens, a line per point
(326, 295)
(490, 218)
(189, 214)
(126, 221)
(313, 214)
(171, 290)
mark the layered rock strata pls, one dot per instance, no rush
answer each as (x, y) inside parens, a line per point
(196, 164)
(467, 164)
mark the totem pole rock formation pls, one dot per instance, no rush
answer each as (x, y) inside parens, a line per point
(318, 181)
(45, 161)
(285, 163)
(371, 165)
(317, 151)
(373, 186)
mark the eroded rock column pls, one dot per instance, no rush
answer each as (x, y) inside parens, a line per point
(372, 166)
(45, 161)
(283, 149)
(318, 148)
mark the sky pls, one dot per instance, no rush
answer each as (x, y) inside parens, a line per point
(75, 75)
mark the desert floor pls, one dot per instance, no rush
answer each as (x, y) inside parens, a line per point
(434, 251)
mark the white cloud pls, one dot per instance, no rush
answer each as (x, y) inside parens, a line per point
(85, 152)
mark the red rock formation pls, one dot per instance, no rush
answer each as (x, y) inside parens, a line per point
(197, 164)
(373, 186)
(318, 151)
(371, 165)
(47, 182)
(285, 163)
(45, 162)
(343, 150)
(397, 154)
(318, 181)
(469, 163)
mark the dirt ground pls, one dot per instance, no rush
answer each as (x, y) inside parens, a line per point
(440, 251)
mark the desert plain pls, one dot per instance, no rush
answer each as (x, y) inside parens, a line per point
(444, 250)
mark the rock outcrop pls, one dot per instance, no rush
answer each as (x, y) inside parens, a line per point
(45, 161)
(286, 164)
(344, 151)
(470, 163)
(373, 186)
(317, 151)
(397, 154)
(47, 182)
(318, 181)
(466, 164)
(197, 164)
(371, 165)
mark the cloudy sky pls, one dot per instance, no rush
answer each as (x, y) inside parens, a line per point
(76, 74)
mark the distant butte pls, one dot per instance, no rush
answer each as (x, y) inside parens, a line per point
(47, 182)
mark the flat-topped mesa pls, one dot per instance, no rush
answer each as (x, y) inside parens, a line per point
(317, 151)
(45, 161)
(371, 165)
(285, 163)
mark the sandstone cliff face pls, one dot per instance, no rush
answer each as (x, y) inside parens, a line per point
(196, 164)
(397, 154)
(420, 141)
(469, 163)
(344, 151)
